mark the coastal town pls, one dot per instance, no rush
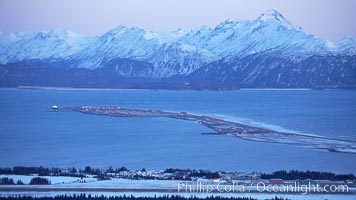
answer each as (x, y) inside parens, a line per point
(163, 179)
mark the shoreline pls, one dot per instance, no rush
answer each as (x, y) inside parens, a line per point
(221, 126)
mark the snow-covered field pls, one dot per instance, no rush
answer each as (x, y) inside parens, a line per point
(55, 180)
(63, 181)
(117, 183)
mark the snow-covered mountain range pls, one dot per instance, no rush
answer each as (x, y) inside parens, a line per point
(266, 52)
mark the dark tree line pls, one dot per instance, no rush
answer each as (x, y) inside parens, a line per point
(7, 181)
(42, 171)
(10, 181)
(72, 171)
(194, 173)
(96, 171)
(20, 170)
(124, 197)
(39, 181)
(206, 174)
(34, 181)
(302, 175)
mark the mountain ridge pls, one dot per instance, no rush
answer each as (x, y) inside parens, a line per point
(270, 41)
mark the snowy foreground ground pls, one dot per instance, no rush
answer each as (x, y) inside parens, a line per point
(72, 185)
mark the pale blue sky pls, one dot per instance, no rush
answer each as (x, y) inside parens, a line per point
(328, 19)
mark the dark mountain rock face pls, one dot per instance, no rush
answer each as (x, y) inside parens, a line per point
(270, 71)
(266, 52)
(255, 71)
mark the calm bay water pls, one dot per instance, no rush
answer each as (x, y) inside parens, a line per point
(31, 136)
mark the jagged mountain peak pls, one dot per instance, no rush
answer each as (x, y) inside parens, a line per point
(272, 15)
(63, 33)
(179, 32)
(175, 50)
(204, 28)
(348, 39)
(347, 45)
(227, 24)
(122, 29)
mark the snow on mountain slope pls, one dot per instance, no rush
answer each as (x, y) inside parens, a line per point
(40, 45)
(167, 57)
(5, 39)
(179, 58)
(180, 52)
(347, 45)
(271, 31)
(121, 42)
